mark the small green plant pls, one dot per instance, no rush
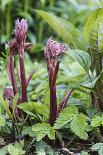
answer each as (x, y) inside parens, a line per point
(61, 107)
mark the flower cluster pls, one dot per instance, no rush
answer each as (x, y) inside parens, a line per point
(54, 49)
(20, 30)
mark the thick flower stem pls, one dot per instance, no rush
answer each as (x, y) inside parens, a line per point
(53, 105)
(12, 75)
(22, 76)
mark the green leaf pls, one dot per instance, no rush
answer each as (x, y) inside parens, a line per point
(97, 121)
(94, 34)
(35, 107)
(3, 150)
(98, 147)
(78, 126)
(83, 58)
(84, 153)
(43, 129)
(94, 28)
(28, 131)
(14, 150)
(43, 149)
(63, 28)
(65, 116)
(5, 105)
(2, 121)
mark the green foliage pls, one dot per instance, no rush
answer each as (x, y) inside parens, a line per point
(94, 34)
(5, 105)
(27, 130)
(2, 121)
(43, 129)
(84, 153)
(97, 121)
(93, 29)
(42, 149)
(98, 147)
(34, 107)
(13, 150)
(65, 29)
(66, 116)
(78, 126)
(83, 58)
(78, 70)
(78, 121)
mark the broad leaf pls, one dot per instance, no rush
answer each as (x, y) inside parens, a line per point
(83, 58)
(94, 28)
(97, 121)
(78, 126)
(65, 29)
(43, 129)
(65, 116)
(94, 35)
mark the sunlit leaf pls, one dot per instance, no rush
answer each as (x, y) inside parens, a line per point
(43, 129)
(65, 116)
(78, 126)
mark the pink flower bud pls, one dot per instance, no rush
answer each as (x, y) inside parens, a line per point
(54, 49)
(20, 29)
(8, 93)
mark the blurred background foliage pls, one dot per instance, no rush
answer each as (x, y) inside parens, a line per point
(74, 11)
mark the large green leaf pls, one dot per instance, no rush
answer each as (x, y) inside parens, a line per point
(43, 129)
(78, 126)
(94, 28)
(94, 34)
(65, 116)
(83, 58)
(64, 29)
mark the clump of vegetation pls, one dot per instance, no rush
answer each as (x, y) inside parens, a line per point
(58, 107)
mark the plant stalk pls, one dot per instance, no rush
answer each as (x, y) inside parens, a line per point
(22, 75)
(12, 75)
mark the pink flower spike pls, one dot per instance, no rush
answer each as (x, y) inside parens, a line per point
(54, 49)
(20, 29)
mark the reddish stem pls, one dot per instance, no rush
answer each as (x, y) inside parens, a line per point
(12, 74)
(22, 75)
(53, 105)
(55, 73)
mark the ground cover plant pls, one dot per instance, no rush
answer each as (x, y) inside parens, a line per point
(54, 106)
